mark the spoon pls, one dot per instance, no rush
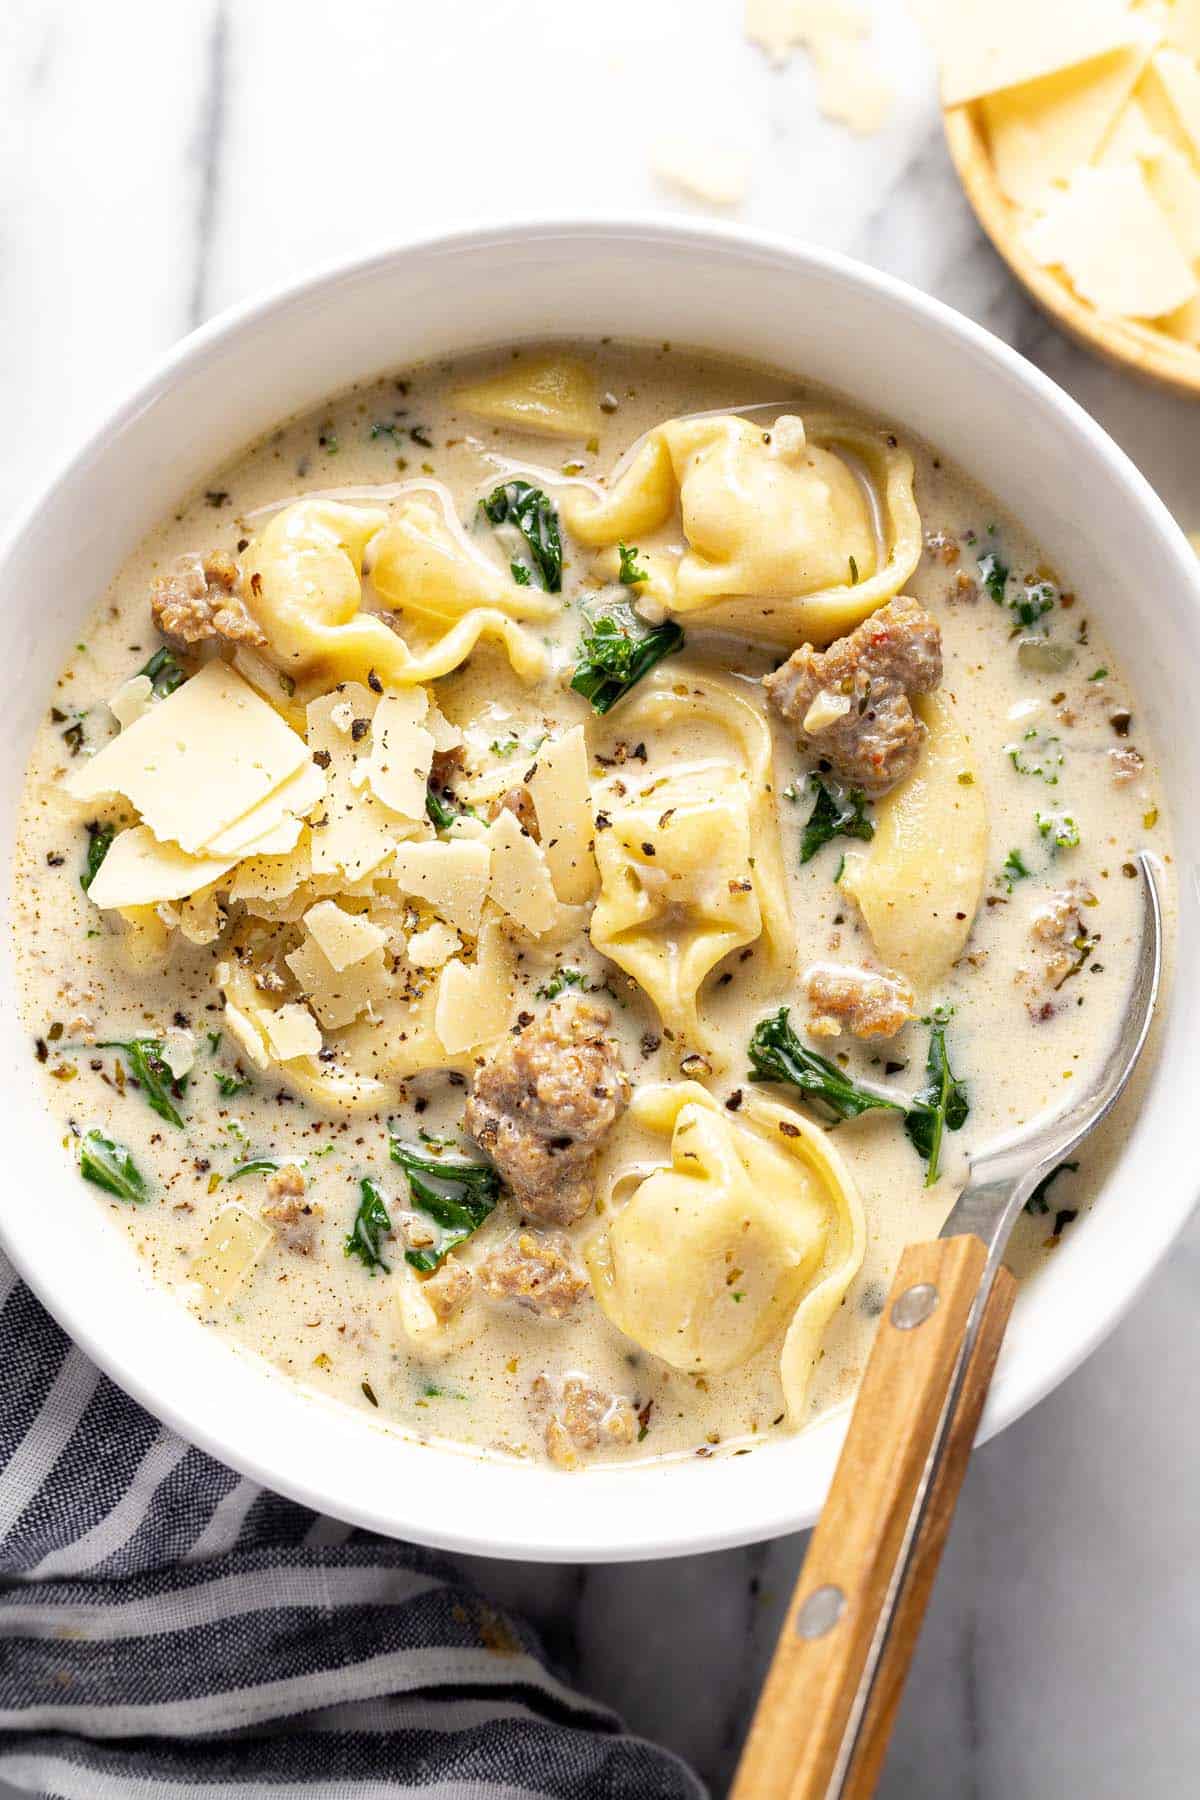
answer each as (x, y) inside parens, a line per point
(827, 1707)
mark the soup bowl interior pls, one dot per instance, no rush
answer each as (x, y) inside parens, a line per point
(897, 355)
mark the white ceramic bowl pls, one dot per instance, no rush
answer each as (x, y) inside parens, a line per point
(886, 346)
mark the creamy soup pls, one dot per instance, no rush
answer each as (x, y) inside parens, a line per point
(535, 879)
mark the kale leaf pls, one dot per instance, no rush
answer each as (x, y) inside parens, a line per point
(100, 839)
(1015, 869)
(616, 650)
(941, 1105)
(1060, 828)
(164, 672)
(630, 574)
(456, 1193)
(834, 815)
(994, 576)
(1037, 1201)
(158, 1084)
(439, 809)
(518, 503)
(776, 1054)
(372, 1223)
(111, 1167)
(561, 978)
(258, 1165)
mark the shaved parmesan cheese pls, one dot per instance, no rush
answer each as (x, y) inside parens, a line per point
(245, 1031)
(131, 700)
(271, 877)
(401, 753)
(234, 1243)
(198, 761)
(430, 948)
(355, 834)
(1176, 186)
(273, 828)
(451, 877)
(1179, 80)
(562, 800)
(445, 735)
(1109, 236)
(1132, 136)
(521, 884)
(139, 871)
(417, 1319)
(1183, 27)
(200, 918)
(147, 938)
(338, 998)
(277, 841)
(982, 47)
(550, 395)
(275, 688)
(827, 708)
(292, 1032)
(475, 1001)
(1041, 132)
(1184, 323)
(717, 173)
(344, 938)
(179, 1050)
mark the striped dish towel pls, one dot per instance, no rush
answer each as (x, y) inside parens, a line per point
(170, 1630)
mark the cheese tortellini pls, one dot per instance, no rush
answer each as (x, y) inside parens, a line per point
(303, 582)
(796, 532)
(689, 859)
(551, 396)
(447, 595)
(304, 587)
(919, 883)
(754, 1226)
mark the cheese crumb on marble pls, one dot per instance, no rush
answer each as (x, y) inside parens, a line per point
(715, 172)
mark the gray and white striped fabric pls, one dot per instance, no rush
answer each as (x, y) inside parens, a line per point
(169, 1629)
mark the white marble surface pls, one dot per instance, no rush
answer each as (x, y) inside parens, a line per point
(161, 159)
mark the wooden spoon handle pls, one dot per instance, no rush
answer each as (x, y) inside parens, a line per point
(845, 1586)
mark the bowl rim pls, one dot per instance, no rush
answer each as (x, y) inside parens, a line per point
(771, 1514)
(1150, 354)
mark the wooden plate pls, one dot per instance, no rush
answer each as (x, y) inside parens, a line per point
(1148, 353)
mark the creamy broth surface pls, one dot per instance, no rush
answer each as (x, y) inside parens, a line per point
(1057, 764)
